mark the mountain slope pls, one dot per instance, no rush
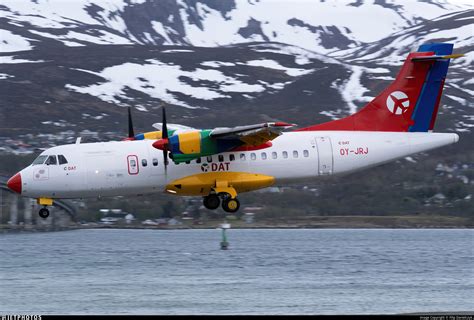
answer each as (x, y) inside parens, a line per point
(68, 78)
(322, 27)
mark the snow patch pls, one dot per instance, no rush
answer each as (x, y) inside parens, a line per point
(352, 90)
(176, 50)
(334, 115)
(457, 99)
(5, 76)
(10, 42)
(217, 64)
(272, 64)
(158, 27)
(163, 81)
(11, 59)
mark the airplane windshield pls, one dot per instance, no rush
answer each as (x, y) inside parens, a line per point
(39, 160)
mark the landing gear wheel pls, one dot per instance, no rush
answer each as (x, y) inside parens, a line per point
(230, 205)
(44, 213)
(211, 202)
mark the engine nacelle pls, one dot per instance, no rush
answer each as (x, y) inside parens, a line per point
(190, 145)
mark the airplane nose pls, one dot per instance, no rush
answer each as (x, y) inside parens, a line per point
(14, 183)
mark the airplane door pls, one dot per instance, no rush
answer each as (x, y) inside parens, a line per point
(325, 157)
(133, 166)
(95, 175)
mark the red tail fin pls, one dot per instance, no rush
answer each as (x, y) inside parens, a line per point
(395, 109)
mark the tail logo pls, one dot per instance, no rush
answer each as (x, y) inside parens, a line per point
(397, 102)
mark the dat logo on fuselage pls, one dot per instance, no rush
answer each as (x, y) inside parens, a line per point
(223, 166)
(398, 102)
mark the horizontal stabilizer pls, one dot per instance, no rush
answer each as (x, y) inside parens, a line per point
(437, 57)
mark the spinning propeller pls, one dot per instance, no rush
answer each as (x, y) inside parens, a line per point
(131, 133)
(163, 143)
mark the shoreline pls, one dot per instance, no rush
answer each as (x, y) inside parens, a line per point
(320, 222)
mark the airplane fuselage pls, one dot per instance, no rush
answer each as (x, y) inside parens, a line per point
(136, 167)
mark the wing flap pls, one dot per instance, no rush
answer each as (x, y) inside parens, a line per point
(252, 135)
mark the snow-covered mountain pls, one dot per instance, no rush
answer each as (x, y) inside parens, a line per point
(319, 26)
(71, 65)
(456, 27)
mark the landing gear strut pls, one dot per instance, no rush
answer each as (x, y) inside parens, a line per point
(44, 213)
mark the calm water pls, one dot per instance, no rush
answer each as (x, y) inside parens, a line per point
(264, 272)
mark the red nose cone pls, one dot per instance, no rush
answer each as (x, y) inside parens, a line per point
(15, 183)
(160, 144)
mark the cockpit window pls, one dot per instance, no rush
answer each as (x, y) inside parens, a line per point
(51, 160)
(62, 159)
(39, 160)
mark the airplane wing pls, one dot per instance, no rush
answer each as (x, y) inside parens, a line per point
(251, 135)
(172, 127)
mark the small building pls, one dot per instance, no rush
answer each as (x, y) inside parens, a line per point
(113, 216)
(249, 217)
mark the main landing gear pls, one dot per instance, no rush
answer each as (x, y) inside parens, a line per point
(229, 204)
(44, 212)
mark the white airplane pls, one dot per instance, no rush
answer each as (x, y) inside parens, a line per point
(217, 164)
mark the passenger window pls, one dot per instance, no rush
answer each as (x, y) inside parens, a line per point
(305, 153)
(221, 158)
(209, 159)
(144, 163)
(285, 154)
(264, 156)
(198, 160)
(155, 162)
(62, 159)
(274, 155)
(295, 154)
(242, 156)
(51, 160)
(253, 156)
(231, 157)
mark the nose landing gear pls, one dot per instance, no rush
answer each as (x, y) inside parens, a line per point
(44, 212)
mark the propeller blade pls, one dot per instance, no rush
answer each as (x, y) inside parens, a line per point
(164, 136)
(165, 157)
(165, 127)
(131, 133)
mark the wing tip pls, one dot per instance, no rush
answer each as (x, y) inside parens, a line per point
(283, 124)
